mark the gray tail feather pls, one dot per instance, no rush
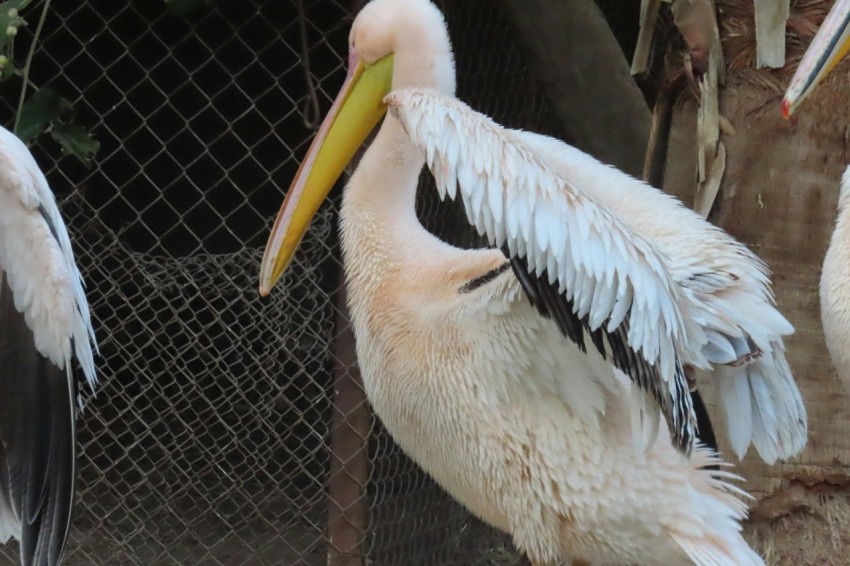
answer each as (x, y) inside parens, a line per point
(763, 406)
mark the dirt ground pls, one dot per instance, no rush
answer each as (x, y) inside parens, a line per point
(816, 532)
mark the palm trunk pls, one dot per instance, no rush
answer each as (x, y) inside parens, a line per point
(779, 195)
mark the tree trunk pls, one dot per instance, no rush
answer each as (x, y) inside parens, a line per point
(577, 59)
(779, 196)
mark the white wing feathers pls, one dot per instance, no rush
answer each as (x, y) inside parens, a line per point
(609, 272)
(741, 332)
(596, 259)
(35, 253)
(728, 282)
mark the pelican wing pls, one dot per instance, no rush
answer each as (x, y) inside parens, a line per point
(739, 332)
(577, 262)
(37, 442)
(44, 322)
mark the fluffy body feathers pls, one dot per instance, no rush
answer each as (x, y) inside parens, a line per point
(835, 288)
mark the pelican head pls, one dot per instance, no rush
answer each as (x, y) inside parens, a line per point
(828, 47)
(392, 44)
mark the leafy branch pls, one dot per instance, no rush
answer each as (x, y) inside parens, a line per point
(45, 111)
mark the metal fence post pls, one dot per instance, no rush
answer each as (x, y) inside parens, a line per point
(348, 506)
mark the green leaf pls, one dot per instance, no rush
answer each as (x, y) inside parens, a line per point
(75, 140)
(183, 7)
(46, 108)
(42, 107)
(7, 68)
(10, 17)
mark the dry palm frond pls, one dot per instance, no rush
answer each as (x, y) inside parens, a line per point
(738, 34)
(770, 17)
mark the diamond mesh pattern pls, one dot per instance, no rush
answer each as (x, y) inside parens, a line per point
(208, 440)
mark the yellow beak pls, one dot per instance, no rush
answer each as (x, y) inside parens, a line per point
(830, 44)
(356, 111)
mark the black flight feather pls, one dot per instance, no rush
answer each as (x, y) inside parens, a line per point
(482, 280)
(676, 407)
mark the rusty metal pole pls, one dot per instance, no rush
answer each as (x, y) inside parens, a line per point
(351, 421)
(351, 425)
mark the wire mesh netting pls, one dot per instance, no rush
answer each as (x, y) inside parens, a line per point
(209, 439)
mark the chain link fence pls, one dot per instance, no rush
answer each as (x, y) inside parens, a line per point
(210, 438)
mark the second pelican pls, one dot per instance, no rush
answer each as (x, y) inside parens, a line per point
(828, 47)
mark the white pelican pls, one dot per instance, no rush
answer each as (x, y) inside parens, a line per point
(44, 323)
(830, 44)
(835, 288)
(481, 388)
